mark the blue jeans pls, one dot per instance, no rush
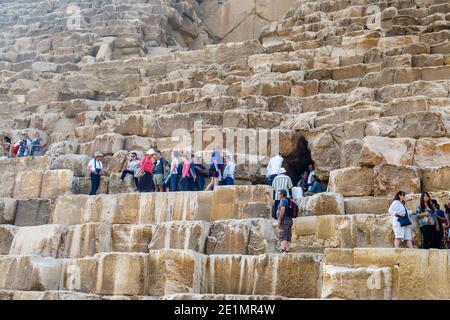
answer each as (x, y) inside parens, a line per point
(95, 184)
(270, 180)
(228, 181)
(173, 182)
(200, 182)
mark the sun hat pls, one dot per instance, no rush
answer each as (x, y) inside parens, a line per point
(98, 154)
(150, 152)
(282, 170)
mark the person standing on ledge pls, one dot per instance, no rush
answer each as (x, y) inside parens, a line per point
(396, 210)
(147, 165)
(273, 167)
(284, 222)
(282, 182)
(215, 169)
(36, 145)
(159, 171)
(228, 172)
(96, 170)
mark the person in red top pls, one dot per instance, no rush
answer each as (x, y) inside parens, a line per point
(147, 165)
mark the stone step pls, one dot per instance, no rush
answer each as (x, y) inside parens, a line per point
(166, 272)
(372, 273)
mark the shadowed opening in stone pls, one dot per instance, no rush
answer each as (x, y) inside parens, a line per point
(298, 160)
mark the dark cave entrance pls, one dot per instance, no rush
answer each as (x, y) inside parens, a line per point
(297, 161)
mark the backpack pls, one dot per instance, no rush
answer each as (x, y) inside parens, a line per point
(292, 209)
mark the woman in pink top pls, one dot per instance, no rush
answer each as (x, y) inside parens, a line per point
(185, 174)
(147, 165)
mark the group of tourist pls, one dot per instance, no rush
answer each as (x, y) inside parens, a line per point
(24, 147)
(308, 184)
(184, 171)
(432, 221)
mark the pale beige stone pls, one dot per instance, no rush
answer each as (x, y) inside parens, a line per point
(56, 183)
(131, 238)
(381, 150)
(389, 179)
(28, 184)
(353, 181)
(7, 210)
(85, 240)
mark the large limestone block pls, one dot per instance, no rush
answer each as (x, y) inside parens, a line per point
(265, 274)
(29, 273)
(116, 185)
(239, 202)
(370, 283)
(122, 273)
(436, 178)
(85, 240)
(8, 184)
(182, 206)
(353, 181)
(69, 209)
(56, 183)
(16, 165)
(7, 210)
(7, 233)
(388, 179)
(180, 235)
(78, 163)
(423, 124)
(402, 106)
(367, 204)
(249, 236)
(380, 150)
(131, 238)
(28, 184)
(432, 152)
(107, 143)
(176, 271)
(322, 204)
(78, 274)
(34, 212)
(38, 240)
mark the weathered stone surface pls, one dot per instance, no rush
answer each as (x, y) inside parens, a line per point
(131, 238)
(435, 178)
(388, 179)
(367, 204)
(7, 210)
(122, 273)
(74, 162)
(180, 235)
(85, 240)
(56, 183)
(249, 236)
(7, 233)
(175, 271)
(28, 184)
(381, 150)
(322, 204)
(33, 212)
(38, 240)
(261, 274)
(353, 181)
(29, 273)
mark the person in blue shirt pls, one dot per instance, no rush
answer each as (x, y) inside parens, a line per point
(441, 220)
(215, 169)
(284, 222)
(200, 174)
(36, 145)
(315, 186)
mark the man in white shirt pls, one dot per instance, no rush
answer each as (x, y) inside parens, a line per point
(282, 182)
(273, 167)
(312, 172)
(228, 172)
(96, 170)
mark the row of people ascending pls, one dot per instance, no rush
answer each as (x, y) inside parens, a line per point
(432, 221)
(154, 173)
(24, 147)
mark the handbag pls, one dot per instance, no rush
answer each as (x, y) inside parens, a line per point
(404, 221)
(139, 172)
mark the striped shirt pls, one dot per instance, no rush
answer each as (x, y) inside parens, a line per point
(281, 182)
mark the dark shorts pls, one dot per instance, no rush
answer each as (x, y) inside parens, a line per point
(213, 172)
(285, 232)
